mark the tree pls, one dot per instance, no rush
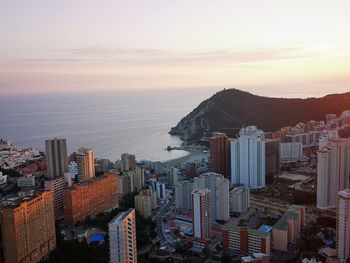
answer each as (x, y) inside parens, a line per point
(179, 247)
(226, 258)
(206, 252)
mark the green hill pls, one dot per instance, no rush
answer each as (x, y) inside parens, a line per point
(230, 109)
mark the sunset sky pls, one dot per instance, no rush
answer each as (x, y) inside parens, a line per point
(79, 45)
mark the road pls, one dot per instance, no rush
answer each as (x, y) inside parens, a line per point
(165, 239)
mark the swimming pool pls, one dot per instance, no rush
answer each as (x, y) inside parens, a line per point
(97, 237)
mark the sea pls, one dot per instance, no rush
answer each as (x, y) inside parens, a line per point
(111, 123)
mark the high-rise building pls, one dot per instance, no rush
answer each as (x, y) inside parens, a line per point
(153, 183)
(239, 199)
(125, 184)
(56, 157)
(332, 173)
(138, 178)
(201, 221)
(173, 176)
(219, 189)
(122, 238)
(28, 228)
(183, 192)
(144, 202)
(248, 158)
(56, 185)
(291, 152)
(343, 225)
(220, 160)
(272, 158)
(161, 191)
(85, 164)
(128, 162)
(90, 198)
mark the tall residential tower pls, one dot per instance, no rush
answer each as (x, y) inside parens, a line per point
(122, 238)
(248, 158)
(85, 164)
(201, 222)
(332, 173)
(220, 160)
(343, 225)
(56, 157)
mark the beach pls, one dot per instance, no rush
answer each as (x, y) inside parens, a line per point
(194, 155)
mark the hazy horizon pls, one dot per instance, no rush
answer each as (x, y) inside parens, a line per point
(276, 92)
(267, 48)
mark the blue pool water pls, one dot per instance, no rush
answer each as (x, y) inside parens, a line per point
(97, 237)
(265, 228)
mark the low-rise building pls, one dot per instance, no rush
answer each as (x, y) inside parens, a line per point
(256, 258)
(26, 181)
(287, 228)
(246, 240)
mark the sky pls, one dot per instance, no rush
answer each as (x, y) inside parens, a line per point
(293, 47)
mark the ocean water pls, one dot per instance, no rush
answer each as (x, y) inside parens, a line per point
(136, 122)
(111, 123)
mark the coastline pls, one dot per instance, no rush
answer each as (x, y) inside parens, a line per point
(194, 155)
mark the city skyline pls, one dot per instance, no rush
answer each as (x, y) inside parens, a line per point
(114, 45)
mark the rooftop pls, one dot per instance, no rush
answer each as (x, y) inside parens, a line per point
(345, 193)
(251, 231)
(282, 223)
(121, 216)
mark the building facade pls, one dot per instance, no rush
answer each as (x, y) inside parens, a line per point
(144, 202)
(122, 238)
(161, 195)
(201, 221)
(343, 225)
(56, 185)
(332, 173)
(85, 160)
(128, 162)
(56, 157)
(239, 199)
(28, 229)
(291, 152)
(220, 160)
(246, 240)
(272, 158)
(183, 192)
(248, 158)
(288, 227)
(90, 198)
(219, 190)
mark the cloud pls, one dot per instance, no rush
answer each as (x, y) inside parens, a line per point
(154, 57)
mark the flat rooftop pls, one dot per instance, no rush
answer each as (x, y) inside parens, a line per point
(121, 216)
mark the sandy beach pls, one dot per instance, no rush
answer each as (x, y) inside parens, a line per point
(194, 155)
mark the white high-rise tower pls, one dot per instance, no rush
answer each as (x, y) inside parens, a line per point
(248, 158)
(332, 173)
(343, 225)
